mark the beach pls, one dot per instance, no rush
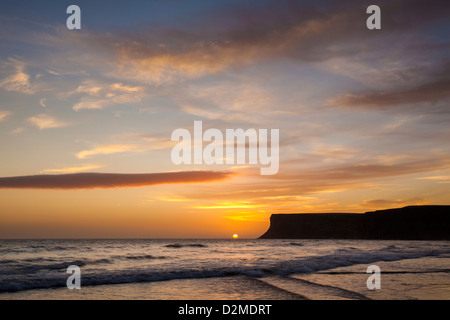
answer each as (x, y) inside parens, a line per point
(174, 269)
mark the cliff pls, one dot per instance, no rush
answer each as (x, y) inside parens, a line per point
(408, 223)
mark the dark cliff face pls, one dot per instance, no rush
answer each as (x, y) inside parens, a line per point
(408, 223)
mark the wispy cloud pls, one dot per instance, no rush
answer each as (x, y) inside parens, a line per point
(73, 169)
(109, 180)
(293, 30)
(301, 188)
(43, 102)
(386, 203)
(99, 95)
(231, 205)
(438, 179)
(361, 171)
(45, 121)
(4, 115)
(109, 149)
(18, 80)
(17, 130)
(248, 101)
(430, 92)
(128, 143)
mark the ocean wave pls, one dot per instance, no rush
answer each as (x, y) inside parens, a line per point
(192, 245)
(10, 250)
(140, 257)
(58, 265)
(21, 268)
(296, 244)
(54, 266)
(308, 264)
(39, 260)
(98, 261)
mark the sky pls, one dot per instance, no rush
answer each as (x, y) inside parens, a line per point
(86, 116)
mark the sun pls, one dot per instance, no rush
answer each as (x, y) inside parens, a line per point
(235, 236)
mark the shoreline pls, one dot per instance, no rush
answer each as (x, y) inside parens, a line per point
(401, 280)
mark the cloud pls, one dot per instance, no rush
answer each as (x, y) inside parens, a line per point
(430, 92)
(109, 180)
(43, 102)
(165, 66)
(109, 149)
(330, 153)
(438, 179)
(235, 35)
(355, 172)
(245, 100)
(231, 205)
(383, 203)
(17, 130)
(273, 30)
(72, 169)
(435, 178)
(291, 187)
(45, 121)
(4, 115)
(99, 95)
(131, 143)
(18, 80)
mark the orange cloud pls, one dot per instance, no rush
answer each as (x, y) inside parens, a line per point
(383, 203)
(19, 80)
(4, 115)
(72, 169)
(108, 149)
(109, 180)
(45, 121)
(99, 95)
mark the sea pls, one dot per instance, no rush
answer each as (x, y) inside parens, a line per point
(224, 269)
